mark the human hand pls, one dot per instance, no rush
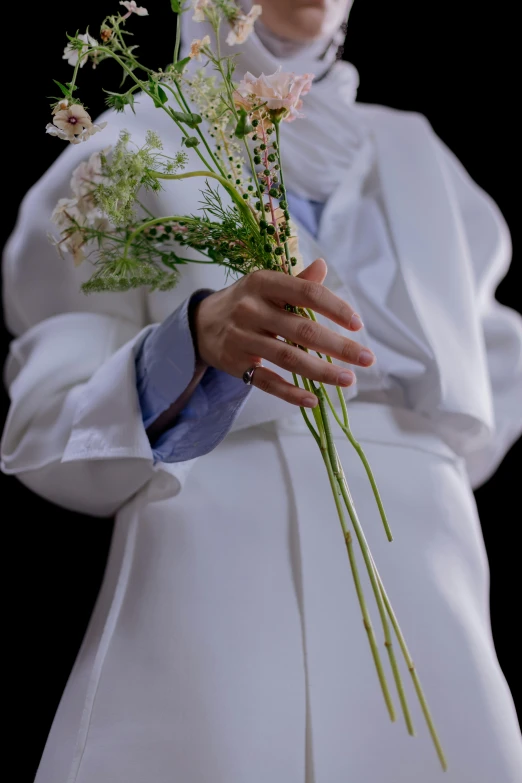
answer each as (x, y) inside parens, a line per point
(240, 325)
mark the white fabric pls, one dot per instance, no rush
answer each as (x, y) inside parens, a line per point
(320, 149)
(226, 645)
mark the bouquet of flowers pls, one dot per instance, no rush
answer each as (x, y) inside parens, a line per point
(243, 223)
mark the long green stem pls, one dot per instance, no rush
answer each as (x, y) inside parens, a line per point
(345, 492)
(182, 103)
(357, 582)
(178, 38)
(280, 162)
(143, 87)
(305, 415)
(339, 480)
(218, 65)
(411, 667)
(362, 456)
(240, 203)
(345, 426)
(170, 219)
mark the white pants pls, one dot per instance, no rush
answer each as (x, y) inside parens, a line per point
(227, 644)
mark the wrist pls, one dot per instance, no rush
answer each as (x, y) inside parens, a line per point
(195, 303)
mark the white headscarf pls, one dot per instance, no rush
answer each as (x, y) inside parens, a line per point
(330, 143)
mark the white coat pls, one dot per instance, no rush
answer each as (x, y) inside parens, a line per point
(227, 645)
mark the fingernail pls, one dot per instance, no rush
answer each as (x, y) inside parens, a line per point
(366, 357)
(356, 323)
(346, 378)
(310, 402)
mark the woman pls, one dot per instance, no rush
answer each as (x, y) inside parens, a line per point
(226, 644)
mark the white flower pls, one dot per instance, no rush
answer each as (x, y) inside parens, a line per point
(71, 54)
(199, 12)
(73, 223)
(197, 45)
(132, 8)
(72, 120)
(84, 180)
(88, 132)
(74, 243)
(280, 93)
(243, 26)
(65, 212)
(69, 219)
(72, 123)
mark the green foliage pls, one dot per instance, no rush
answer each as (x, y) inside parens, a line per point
(118, 101)
(124, 274)
(228, 8)
(225, 236)
(130, 169)
(188, 118)
(243, 127)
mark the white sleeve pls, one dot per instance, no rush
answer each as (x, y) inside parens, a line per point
(490, 245)
(74, 432)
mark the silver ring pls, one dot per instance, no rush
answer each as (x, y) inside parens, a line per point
(248, 375)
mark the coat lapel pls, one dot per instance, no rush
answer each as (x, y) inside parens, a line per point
(433, 260)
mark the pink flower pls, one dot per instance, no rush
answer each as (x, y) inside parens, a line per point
(243, 26)
(280, 93)
(132, 8)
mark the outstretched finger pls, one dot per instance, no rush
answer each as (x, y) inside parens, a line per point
(272, 383)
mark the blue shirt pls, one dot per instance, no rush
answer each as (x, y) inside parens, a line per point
(165, 366)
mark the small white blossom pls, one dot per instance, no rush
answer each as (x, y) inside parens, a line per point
(197, 45)
(132, 8)
(72, 123)
(199, 10)
(84, 180)
(65, 212)
(71, 54)
(74, 224)
(52, 130)
(88, 132)
(69, 220)
(243, 26)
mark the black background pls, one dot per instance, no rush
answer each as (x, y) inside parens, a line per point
(452, 61)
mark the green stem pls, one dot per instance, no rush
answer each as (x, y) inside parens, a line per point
(178, 38)
(240, 203)
(218, 65)
(75, 74)
(305, 415)
(143, 87)
(345, 426)
(370, 566)
(182, 103)
(340, 480)
(412, 670)
(326, 455)
(287, 252)
(170, 218)
(253, 170)
(268, 185)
